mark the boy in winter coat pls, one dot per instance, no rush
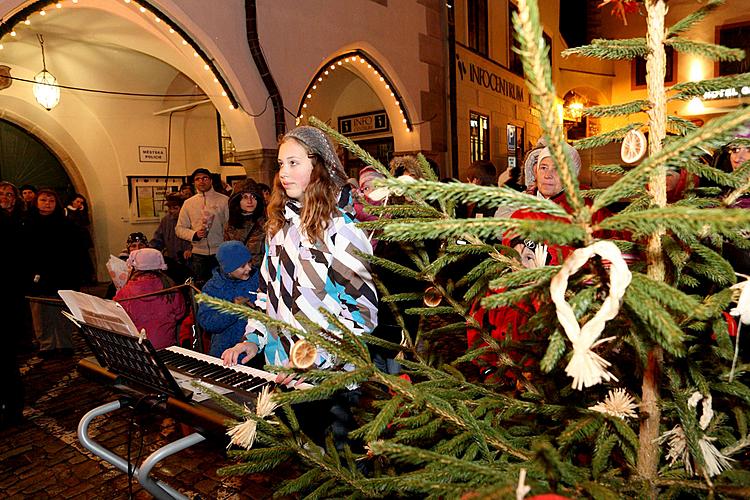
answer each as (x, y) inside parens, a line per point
(236, 281)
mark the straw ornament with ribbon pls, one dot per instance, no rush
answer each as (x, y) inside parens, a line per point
(243, 434)
(586, 367)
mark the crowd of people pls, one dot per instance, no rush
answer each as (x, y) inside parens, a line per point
(289, 251)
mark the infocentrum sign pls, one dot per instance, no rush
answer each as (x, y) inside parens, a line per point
(489, 79)
(727, 93)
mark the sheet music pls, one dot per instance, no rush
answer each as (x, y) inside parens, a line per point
(95, 311)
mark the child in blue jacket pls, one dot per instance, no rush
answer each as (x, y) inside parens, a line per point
(233, 280)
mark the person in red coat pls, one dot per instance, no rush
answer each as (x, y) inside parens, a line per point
(160, 315)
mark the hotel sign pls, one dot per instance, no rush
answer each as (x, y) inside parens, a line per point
(490, 79)
(726, 93)
(364, 123)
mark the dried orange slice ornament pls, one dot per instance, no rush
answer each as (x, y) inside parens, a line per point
(303, 354)
(633, 147)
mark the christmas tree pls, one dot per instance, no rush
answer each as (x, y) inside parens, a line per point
(614, 376)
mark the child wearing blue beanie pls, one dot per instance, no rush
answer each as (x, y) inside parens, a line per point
(233, 280)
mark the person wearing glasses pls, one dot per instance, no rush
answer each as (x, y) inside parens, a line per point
(201, 221)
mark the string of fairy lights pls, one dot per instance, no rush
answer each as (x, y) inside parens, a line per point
(13, 27)
(360, 62)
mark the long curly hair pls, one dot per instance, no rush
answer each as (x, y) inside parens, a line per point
(319, 206)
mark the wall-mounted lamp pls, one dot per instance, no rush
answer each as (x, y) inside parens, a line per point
(573, 104)
(46, 91)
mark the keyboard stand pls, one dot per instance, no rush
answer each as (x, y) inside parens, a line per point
(157, 488)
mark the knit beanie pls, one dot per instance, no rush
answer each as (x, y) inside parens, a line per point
(231, 255)
(533, 159)
(147, 259)
(319, 143)
(200, 171)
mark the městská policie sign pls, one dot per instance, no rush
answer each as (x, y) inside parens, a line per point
(489, 79)
(152, 154)
(364, 123)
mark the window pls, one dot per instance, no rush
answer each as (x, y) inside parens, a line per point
(639, 68)
(736, 36)
(479, 132)
(227, 151)
(514, 59)
(477, 24)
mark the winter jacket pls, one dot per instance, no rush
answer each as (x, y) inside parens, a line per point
(159, 315)
(299, 277)
(166, 239)
(226, 329)
(209, 208)
(252, 234)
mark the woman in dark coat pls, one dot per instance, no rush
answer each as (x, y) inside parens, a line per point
(56, 255)
(247, 219)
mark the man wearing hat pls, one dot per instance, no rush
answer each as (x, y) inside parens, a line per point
(165, 238)
(201, 222)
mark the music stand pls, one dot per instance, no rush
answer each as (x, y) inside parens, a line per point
(132, 358)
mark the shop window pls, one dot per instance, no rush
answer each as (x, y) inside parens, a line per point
(638, 68)
(477, 26)
(514, 59)
(479, 132)
(736, 36)
(227, 151)
(148, 194)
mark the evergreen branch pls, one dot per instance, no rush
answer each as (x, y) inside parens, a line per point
(538, 73)
(680, 219)
(708, 50)
(393, 267)
(258, 460)
(539, 276)
(613, 169)
(680, 125)
(580, 430)
(713, 174)
(688, 90)
(605, 443)
(627, 108)
(628, 438)
(713, 134)
(509, 297)
(555, 352)
(606, 137)
(490, 196)
(610, 49)
(430, 311)
(383, 419)
(660, 326)
(402, 297)
(243, 311)
(409, 211)
(665, 294)
(427, 172)
(693, 18)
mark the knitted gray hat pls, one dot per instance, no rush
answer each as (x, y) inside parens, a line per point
(322, 145)
(533, 158)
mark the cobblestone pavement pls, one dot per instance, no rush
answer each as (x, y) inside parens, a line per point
(42, 458)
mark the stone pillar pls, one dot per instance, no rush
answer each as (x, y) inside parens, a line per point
(260, 164)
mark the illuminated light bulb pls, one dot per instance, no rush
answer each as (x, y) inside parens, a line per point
(309, 96)
(184, 42)
(315, 87)
(231, 106)
(206, 67)
(126, 1)
(320, 79)
(27, 22)
(75, 1)
(340, 63)
(46, 91)
(296, 122)
(347, 59)
(195, 54)
(404, 120)
(12, 33)
(333, 67)
(42, 13)
(401, 111)
(300, 117)
(223, 93)
(216, 80)
(304, 105)
(326, 72)
(171, 30)
(392, 95)
(382, 79)
(361, 61)
(369, 66)
(142, 9)
(695, 106)
(157, 20)
(387, 86)
(1, 46)
(58, 5)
